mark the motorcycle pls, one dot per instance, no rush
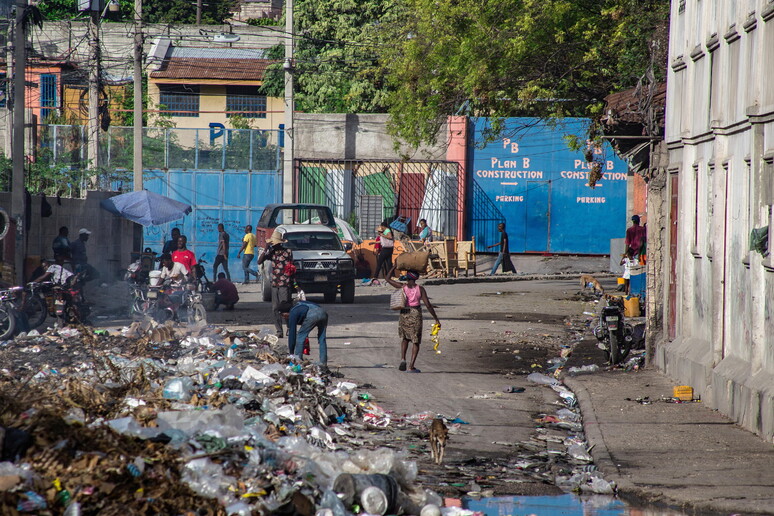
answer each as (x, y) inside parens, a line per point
(612, 332)
(137, 278)
(9, 315)
(202, 283)
(69, 304)
(164, 302)
(36, 301)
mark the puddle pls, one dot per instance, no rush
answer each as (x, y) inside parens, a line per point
(564, 505)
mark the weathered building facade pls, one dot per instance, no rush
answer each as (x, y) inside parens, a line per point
(718, 294)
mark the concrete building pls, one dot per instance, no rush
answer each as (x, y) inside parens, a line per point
(718, 186)
(199, 86)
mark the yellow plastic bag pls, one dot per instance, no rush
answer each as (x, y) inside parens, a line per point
(434, 337)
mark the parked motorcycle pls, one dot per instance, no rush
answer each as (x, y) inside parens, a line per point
(35, 302)
(137, 278)
(165, 302)
(8, 313)
(69, 304)
(202, 283)
(612, 331)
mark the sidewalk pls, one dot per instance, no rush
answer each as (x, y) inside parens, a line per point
(683, 455)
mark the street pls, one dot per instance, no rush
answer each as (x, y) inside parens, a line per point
(492, 336)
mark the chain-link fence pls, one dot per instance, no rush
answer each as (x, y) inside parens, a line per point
(61, 164)
(366, 192)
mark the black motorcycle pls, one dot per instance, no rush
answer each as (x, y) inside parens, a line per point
(612, 331)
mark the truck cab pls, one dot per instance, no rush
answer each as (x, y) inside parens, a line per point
(292, 213)
(322, 262)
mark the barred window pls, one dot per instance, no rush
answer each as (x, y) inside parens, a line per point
(245, 101)
(179, 99)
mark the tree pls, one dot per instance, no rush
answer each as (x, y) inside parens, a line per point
(501, 58)
(154, 11)
(338, 44)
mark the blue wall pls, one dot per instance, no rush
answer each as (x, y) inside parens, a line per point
(532, 181)
(235, 198)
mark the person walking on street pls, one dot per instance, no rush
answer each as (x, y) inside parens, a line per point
(636, 236)
(221, 257)
(504, 256)
(309, 316)
(61, 244)
(282, 270)
(384, 258)
(248, 253)
(170, 246)
(410, 321)
(184, 255)
(225, 292)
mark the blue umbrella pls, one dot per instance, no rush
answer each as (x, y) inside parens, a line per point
(146, 208)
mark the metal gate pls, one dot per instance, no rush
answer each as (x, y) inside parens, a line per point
(234, 198)
(414, 189)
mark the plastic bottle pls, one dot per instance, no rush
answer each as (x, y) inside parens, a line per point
(430, 510)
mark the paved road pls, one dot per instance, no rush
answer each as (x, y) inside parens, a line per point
(483, 324)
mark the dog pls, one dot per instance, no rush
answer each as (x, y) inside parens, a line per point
(439, 434)
(587, 281)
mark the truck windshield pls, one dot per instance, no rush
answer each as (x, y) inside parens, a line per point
(301, 216)
(316, 241)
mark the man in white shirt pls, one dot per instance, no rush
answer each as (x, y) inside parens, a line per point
(56, 272)
(174, 271)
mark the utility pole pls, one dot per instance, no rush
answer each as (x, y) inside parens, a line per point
(198, 12)
(94, 82)
(18, 156)
(288, 165)
(137, 95)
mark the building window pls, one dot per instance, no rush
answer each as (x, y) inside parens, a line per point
(48, 95)
(179, 99)
(245, 101)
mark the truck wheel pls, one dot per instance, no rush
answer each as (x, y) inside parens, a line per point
(348, 292)
(330, 295)
(266, 287)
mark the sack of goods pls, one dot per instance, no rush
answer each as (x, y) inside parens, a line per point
(415, 261)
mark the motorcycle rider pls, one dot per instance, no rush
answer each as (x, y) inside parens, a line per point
(173, 271)
(56, 271)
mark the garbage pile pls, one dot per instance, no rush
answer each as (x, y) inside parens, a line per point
(559, 453)
(171, 420)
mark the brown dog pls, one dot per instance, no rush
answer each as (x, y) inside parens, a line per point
(587, 281)
(439, 434)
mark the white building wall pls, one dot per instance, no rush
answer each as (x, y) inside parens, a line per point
(720, 136)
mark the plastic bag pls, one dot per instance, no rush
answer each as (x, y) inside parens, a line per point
(398, 300)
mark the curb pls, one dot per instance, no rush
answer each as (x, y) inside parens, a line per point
(626, 489)
(510, 278)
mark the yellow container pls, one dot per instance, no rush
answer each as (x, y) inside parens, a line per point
(632, 306)
(621, 281)
(683, 392)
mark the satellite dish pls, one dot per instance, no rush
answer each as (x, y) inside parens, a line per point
(227, 38)
(5, 223)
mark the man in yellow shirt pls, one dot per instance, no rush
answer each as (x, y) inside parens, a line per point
(248, 253)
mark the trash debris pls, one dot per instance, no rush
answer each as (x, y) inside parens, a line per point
(169, 419)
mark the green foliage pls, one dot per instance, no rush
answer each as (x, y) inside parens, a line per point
(501, 58)
(336, 55)
(263, 22)
(184, 11)
(154, 11)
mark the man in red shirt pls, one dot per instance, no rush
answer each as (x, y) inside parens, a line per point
(636, 236)
(183, 255)
(226, 292)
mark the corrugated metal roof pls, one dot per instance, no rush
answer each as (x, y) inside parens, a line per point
(213, 68)
(217, 53)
